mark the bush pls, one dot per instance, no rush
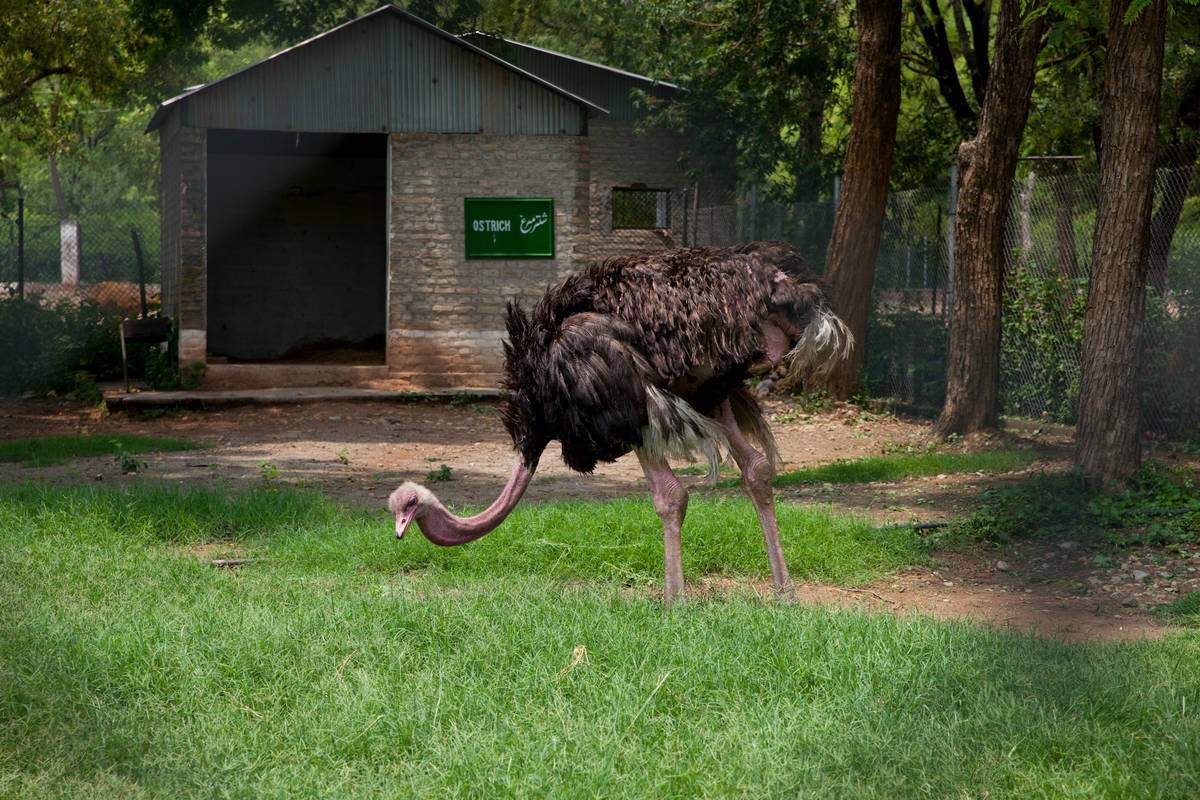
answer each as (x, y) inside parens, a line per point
(906, 358)
(45, 349)
(1042, 341)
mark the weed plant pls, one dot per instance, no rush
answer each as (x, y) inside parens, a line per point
(1161, 506)
(341, 663)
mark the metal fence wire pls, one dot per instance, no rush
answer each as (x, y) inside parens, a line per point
(1049, 252)
(106, 258)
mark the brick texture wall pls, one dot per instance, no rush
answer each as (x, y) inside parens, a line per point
(623, 157)
(191, 247)
(446, 312)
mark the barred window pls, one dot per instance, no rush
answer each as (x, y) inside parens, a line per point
(642, 209)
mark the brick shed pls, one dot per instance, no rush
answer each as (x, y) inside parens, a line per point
(356, 209)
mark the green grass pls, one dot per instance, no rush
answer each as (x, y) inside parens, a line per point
(900, 466)
(345, 664)
(47, 450)
(1184, 610)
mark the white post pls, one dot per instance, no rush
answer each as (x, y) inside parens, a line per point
(68, 239)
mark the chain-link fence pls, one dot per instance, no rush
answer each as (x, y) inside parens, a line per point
(110, 257)
(1049, 238)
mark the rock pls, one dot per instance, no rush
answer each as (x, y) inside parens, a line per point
(1139, 574)
(1068, 545)
(1130, 601)
(764, 388)
(1003, 566)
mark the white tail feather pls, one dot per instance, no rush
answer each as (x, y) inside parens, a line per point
(823, 343)
(676, 430)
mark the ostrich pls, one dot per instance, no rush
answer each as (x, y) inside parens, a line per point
(650, 353)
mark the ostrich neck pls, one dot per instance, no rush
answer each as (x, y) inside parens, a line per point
(443, 528)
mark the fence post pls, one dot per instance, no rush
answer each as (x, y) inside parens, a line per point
(20, 245)
(137, 251)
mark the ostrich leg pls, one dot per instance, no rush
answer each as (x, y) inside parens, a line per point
(670, 501)
(756, 482)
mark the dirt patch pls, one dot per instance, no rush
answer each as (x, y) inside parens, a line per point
(357, 452)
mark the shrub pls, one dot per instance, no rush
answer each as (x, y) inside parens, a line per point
(45, 349)
(906, 358)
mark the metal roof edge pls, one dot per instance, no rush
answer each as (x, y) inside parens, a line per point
(593, 64)
(164, 108)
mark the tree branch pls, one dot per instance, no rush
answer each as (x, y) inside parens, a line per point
(28, 83)
(933, 32)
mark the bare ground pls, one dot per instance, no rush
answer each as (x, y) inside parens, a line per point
(358, 451)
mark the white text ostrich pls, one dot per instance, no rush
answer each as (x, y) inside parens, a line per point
(649, 353)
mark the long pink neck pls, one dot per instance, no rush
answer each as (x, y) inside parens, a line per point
(443, 528)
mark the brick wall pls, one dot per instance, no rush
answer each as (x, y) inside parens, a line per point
(623, 157)
(446, 313)
(192, 264)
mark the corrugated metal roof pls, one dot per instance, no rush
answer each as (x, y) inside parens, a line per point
(606, 86)
(385, 71)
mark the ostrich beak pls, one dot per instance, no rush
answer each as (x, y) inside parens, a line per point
(403, 520)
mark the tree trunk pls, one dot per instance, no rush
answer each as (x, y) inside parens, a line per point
(1110, 398)
(850, 268)
(987, 164)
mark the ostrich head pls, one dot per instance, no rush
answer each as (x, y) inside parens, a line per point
(414, 503)
(409, 502)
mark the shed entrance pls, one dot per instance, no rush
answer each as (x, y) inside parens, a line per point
(297, 247)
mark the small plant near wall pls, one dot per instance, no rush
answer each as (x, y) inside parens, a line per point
(129, 463)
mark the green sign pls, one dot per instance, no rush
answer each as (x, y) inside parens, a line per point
(509, 227)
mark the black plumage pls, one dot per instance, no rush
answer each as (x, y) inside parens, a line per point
(627, 347)
(650, 353)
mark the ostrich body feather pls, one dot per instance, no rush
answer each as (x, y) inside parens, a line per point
(637, 352)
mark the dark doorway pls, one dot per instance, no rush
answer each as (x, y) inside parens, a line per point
(297, 247)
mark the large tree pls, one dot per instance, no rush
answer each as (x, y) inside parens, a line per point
(1109, 444)
(987, 164)
(850, 263)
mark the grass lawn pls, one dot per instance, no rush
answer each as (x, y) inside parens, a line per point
(47, 450)
(342, 663)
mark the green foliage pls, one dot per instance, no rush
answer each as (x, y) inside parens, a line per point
(80, 49)
(128, 462)
(1170, 369)
(1068, 505)
(44, 349)
(901, 466)
(759, 78)
(908, 351)
(1183, 610)
(440, 475)
(1042, 339)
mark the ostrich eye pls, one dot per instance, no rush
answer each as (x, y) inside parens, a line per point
(412, 501)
